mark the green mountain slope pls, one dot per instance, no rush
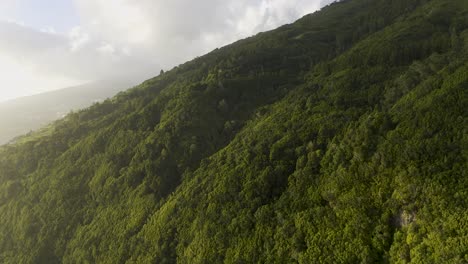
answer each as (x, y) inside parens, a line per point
(22, 115)
(341, 138)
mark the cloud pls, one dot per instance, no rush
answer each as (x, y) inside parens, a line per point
(327, 2)
(78, 38)
(8, 8)
(21, 79)
(133, 40)
(107, 49)
(77, 55)
(171, 32)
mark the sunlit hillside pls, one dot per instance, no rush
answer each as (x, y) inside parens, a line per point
(340, 138)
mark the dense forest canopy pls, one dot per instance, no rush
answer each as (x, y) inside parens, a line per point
(340, 138)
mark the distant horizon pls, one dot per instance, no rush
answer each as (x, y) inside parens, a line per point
(65, 88)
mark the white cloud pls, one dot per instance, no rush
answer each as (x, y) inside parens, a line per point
(20, 79)
(131, 39)
(34, 61)
(78, 38)
(106, 49)
(8, 8)
(171, 32)
(50, 30)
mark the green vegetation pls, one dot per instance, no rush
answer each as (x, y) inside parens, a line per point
(341, 138)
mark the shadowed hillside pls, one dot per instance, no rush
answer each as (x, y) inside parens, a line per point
(340, 138)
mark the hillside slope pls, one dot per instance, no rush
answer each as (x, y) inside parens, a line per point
(329, 140)
(22, 115)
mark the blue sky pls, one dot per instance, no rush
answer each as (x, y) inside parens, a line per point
(60, 15)
(47, 45)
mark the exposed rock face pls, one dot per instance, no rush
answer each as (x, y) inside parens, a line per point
(404, 218)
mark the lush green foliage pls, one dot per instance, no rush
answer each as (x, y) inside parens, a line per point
(329, 140)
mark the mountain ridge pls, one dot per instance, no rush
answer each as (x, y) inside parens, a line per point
(324, 141)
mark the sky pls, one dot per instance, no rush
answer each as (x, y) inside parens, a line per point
(53, 44)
